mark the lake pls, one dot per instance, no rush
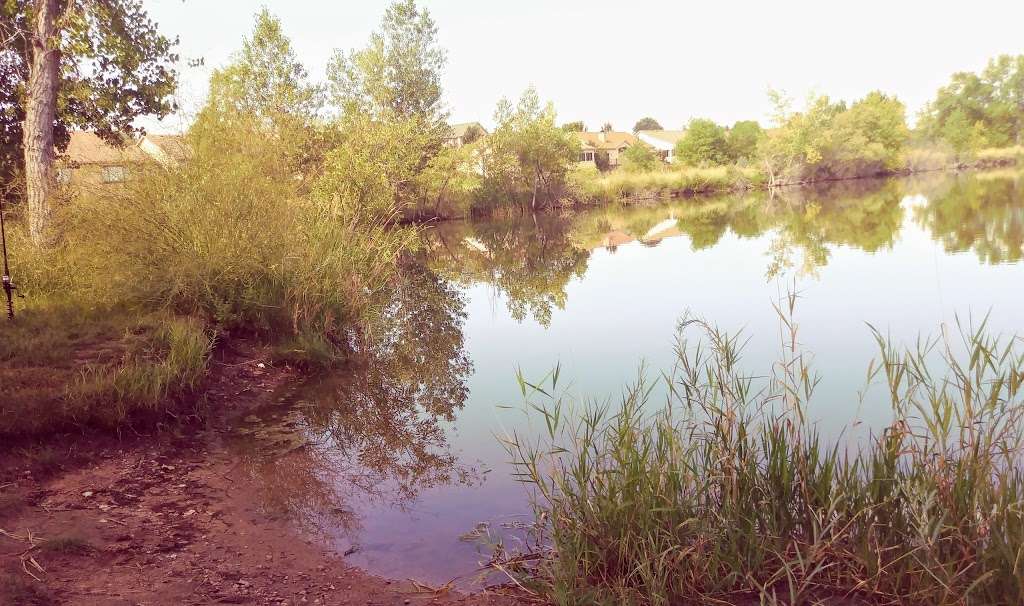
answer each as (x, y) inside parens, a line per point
(398, 461)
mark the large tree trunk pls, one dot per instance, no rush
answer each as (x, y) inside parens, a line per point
(40, 110)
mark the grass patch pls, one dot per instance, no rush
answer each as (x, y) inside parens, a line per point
(64, 366)
(66, 545)
(591, 187)
(729, 494)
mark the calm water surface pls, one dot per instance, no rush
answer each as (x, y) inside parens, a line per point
(398, 462)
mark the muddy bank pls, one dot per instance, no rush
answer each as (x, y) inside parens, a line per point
(172, 519)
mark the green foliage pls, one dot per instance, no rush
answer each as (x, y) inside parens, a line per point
(828, 140)
(574, 127)
(391, 88)
(639, 158)
(398, 74)
(114, 67)
(646, 124)
(266, 85)
(731, 495)
(976, 110)
(527, 155)
(704, 144)
(743, 139)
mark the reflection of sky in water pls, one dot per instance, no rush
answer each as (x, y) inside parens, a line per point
(624, 310)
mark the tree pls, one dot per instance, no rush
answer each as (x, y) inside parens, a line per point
(528, 155)
(393, 86)
(574, 127)
(640, 158)
(991, 102)
(646, 124)
(743, 138)
(831, 140)
(607, 127)
(95, 65)
(266, 83)
(265, 79)
(398, 75)
(704, 143)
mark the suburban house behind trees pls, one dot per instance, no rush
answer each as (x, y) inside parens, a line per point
(465, 133)
(611, 142)
(664, 141)
(91, 162)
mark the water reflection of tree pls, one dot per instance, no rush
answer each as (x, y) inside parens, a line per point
(373, 432)
(529, 259)
(810, 222)
(982, 213)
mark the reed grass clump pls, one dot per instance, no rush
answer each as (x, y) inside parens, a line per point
(592, 187)
(730, 495)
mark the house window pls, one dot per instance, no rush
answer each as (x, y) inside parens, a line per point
(63, 176)
(587, 156)
(114, 174)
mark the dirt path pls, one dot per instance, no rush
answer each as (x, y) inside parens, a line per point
(171, 520)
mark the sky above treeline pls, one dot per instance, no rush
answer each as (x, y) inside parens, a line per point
(617, 61)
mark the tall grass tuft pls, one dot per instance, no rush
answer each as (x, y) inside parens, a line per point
(729, 494)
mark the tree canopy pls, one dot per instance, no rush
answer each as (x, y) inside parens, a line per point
(115, 66)
(528, 154)
(646, 124)
(398, 74)
(831, 140)
(979, 109)
(704, 143)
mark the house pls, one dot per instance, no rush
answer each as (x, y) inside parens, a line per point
(168, 150)
(611, 143)
(465, 133)
(664, 141)
(91, 162)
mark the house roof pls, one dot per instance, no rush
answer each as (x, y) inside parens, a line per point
(459, 130)
(608, 140)
(664, 137)
(88, 148)
(173, 146)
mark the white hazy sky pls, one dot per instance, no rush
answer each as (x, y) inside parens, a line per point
(619, 60)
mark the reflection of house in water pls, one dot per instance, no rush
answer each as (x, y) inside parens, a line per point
(615, 238)
(666, 228)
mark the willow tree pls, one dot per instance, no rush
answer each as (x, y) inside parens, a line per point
(94, 65)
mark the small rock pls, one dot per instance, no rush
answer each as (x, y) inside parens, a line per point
(87, 494)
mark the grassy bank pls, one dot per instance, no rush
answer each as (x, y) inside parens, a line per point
(729, 494)
(122, 307)
(63, 365)
(590, 187)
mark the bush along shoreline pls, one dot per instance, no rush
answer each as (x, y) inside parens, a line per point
(590, 188)
(730, 494)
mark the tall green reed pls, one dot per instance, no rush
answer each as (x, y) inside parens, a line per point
(729, 493)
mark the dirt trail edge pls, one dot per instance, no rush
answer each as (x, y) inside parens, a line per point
(170, 520)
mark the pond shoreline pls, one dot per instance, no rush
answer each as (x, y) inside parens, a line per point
(737, 184)
(174, 518)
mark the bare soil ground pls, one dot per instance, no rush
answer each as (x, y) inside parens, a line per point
(169, 519)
